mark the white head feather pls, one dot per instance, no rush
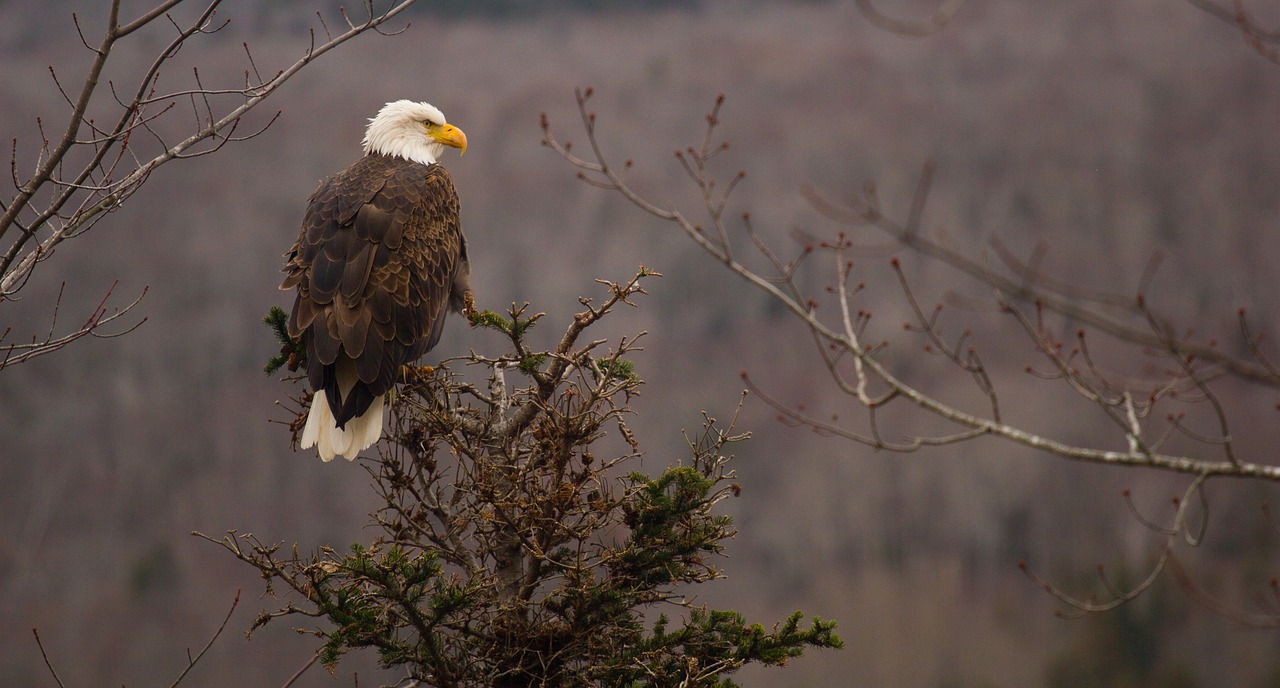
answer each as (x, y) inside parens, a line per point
(398, 130)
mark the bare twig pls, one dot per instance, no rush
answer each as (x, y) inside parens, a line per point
(44, 655)
(76, 180)
(14, 353)
(1119, 596)
(1070, 303)
(191, 661)
(844, 339)
(1238, 17)
(298, 674)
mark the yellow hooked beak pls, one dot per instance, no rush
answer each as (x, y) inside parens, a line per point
(449, 135)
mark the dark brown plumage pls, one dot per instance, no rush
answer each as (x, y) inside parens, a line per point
(378, 263)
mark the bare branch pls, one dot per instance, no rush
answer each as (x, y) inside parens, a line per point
(298, 674)
(1080, 607)
(1071, 304)
(14, 353)
(1255, 36)
(1236, 16)
(845, 339)
(44, 655)
(94, 182)
(191, 661)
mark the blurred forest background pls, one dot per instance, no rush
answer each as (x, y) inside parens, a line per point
(1110, 130)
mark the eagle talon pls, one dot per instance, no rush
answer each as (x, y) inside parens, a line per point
(412, 375)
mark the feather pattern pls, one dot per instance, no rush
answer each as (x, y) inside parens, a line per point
(378, 263)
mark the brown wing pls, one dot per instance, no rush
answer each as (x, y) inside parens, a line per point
(375, 263)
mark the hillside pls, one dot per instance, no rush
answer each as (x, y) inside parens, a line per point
(1108, 130)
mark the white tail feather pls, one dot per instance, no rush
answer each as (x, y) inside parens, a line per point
(366, 429)
(323, 433)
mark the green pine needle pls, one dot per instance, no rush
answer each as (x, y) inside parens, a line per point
(292, 354)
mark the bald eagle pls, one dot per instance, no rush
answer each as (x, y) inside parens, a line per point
(378, 263)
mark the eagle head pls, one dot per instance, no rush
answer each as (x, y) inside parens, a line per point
(413, 131)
